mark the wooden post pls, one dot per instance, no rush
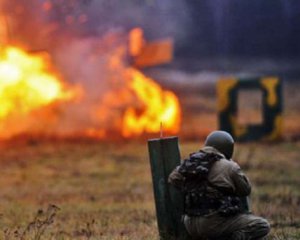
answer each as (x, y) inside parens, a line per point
(164, 157)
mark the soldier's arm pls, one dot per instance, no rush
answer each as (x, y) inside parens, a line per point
(241, 182)
(176, 179)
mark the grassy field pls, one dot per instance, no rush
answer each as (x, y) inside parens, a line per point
(85, 189)
(92, 190)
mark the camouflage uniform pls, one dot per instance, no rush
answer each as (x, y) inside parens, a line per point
(224, 174)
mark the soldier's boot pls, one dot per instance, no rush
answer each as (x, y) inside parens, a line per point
(256, 231)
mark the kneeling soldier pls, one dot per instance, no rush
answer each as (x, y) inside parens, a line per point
(215, 190)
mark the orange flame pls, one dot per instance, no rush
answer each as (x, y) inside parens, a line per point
(158, 107)
(26, 84)
(136, 41)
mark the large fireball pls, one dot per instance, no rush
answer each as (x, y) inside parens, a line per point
(26, 85)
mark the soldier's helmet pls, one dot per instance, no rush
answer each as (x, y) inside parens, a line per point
(222, 141)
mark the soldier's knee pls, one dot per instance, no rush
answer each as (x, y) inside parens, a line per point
(267, 226)
(258, 228)
(262, 228)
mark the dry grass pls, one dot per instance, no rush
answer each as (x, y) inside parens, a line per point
(101, 189)
(90, 190)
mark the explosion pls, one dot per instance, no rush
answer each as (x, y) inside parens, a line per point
(87, 86)
(25, 85)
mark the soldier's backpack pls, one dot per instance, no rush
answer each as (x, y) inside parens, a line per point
(198, 165)
(195, 170)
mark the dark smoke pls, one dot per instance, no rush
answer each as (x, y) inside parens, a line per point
(44, 23)
(202, 28)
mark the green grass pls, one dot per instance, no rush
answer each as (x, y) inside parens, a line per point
(104, 191)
